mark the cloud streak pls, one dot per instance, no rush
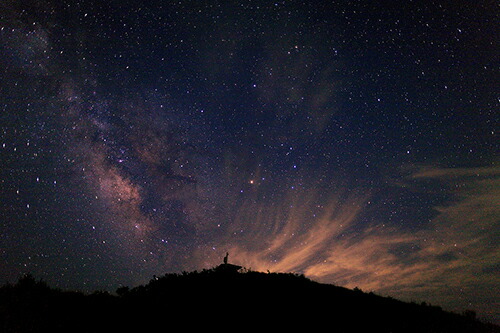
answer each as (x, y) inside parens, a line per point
(455, 253)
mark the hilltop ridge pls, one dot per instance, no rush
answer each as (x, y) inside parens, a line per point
(226, 297)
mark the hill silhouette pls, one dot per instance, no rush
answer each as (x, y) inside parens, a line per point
(224, 298)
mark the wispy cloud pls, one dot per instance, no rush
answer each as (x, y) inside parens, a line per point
(456, 254)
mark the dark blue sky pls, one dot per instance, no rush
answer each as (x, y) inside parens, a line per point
(351, 141)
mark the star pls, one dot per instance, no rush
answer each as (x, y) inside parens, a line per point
(343, 141)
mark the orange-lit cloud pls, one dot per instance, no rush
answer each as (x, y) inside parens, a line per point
(456, 253)
(290, 237)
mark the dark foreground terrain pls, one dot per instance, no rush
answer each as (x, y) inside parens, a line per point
(221, 299)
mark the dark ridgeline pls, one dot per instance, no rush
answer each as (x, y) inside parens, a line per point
(225, 298)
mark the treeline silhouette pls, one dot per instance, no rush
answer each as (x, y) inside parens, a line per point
(224, 298)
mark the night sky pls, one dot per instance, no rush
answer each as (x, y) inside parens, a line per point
(355, 142)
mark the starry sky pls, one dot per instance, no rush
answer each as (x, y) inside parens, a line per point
(355, 142)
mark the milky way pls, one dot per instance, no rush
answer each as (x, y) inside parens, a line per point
(352, 143)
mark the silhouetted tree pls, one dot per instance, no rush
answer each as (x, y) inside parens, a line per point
(32, 306)
(471, 314)
(122, 291)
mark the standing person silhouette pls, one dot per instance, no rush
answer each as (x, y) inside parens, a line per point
(225, 258)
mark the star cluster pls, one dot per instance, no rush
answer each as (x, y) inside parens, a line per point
(350, 141)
